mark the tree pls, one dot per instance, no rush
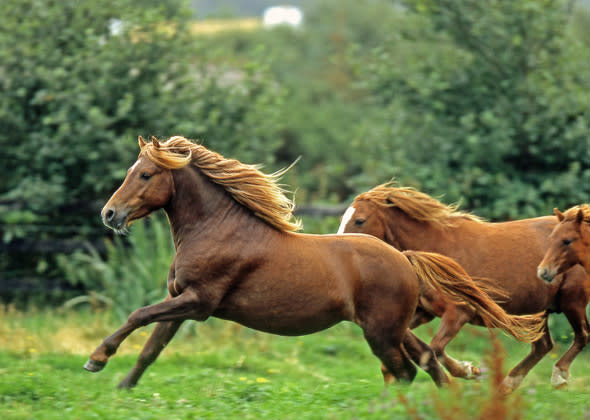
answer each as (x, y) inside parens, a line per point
(79, 80)
(491, 100)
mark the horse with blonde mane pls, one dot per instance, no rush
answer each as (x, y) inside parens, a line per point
(569, 244)
(502, 259)
(239, 258)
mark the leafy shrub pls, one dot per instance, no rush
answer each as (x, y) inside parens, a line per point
(131, 275)
(487, 104)
(79, 80)
(76, 93)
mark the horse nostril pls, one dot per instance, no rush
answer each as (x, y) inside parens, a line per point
(109, 214)
(543, 274)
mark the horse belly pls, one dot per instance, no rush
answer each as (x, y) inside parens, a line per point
(298, 312)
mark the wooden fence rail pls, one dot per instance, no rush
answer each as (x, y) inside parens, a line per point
(25, 281)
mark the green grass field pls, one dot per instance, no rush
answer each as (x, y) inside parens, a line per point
(222, 370)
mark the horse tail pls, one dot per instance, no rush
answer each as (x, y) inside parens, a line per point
(490, 287)
(447, 276)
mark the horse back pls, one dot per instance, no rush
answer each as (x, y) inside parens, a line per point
(508, 253)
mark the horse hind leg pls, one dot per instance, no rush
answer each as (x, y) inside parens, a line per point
(425, 358)
(451, 322)
(539, 349)
(393, 356)
(577, 318)
(420, 317)
(161, 336)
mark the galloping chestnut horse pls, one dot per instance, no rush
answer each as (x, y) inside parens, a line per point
(237, 259)
(569, 244)
(506, 253)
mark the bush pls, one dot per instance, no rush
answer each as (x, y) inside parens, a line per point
(75, 95)
(131, 275)
(486, 103)
(79, 80)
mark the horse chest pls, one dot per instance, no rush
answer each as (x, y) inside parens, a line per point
(204, 272)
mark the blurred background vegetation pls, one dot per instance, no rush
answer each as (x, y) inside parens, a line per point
(485, 103)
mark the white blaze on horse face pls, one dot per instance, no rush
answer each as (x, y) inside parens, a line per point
(345, 219)
(134, 165)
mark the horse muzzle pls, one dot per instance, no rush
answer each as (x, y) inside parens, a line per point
(114, 219)
(546, 274)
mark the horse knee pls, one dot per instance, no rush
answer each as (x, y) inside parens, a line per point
(136, 318)
(581, 340)
(544, 345)
(437, 348)
(437, 351)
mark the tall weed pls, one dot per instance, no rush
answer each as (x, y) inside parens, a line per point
(132, 273)
(487, 402)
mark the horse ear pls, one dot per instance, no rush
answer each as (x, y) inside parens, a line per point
(155, 142)
(141, 142)
(559, 214)
(579, 216)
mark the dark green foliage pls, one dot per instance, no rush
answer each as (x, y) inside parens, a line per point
(491, 102)
(75, 96)
(79, 80)
(486, 104)
(323, 113)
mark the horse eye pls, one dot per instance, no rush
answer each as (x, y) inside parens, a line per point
(359, 222)
(145, 176)
(566, 242)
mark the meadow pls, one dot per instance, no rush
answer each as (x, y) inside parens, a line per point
(219, 369)
(491, 115)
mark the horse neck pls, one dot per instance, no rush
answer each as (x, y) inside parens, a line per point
(405, 232)
(199, 206)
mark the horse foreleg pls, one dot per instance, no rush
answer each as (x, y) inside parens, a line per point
(539, 349)
(176, 309)
(451, 322)
(577, 318)
(424, 357)
(160, 337)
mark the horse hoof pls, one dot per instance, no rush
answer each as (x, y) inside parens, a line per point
(505, 390)
(471, 372)
(94, 366)
(559, 378)
(389, 379)
(125, 385)
(509, 384)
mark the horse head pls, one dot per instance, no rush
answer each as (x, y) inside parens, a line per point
(569, 244)
(146, 188)
(370, 218)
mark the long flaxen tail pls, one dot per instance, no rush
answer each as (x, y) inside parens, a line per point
(447, 276)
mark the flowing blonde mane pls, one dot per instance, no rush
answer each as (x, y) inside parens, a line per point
(416, 204)
(572, 213)
(259, 192)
